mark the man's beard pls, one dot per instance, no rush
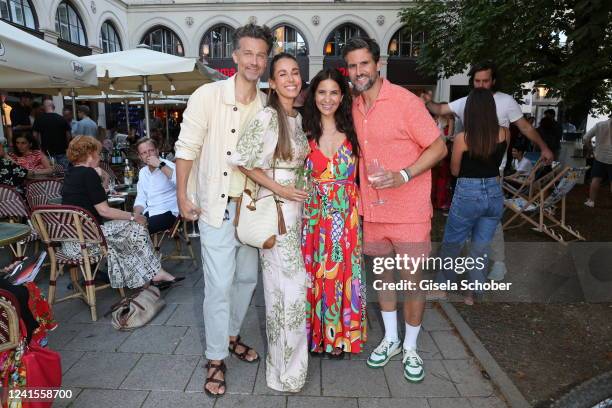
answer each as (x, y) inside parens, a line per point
(362, 88)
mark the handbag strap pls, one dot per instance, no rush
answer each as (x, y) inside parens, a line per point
(255, 193)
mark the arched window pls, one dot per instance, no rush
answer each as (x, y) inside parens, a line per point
(109, 39)
(164, 40)
(217, 42)
(288, 39)
(20, 12)
(405, 43)
(69, 25)
(338, 38)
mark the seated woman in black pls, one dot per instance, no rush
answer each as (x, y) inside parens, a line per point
(132, 261)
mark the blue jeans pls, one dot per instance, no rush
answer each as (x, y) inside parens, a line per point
(476, 209)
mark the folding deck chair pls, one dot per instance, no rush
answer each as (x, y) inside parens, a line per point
(536, 202)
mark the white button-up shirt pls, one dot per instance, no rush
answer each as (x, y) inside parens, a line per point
(156, 192)
(209, 133)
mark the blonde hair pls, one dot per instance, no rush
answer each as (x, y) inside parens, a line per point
(81, 147)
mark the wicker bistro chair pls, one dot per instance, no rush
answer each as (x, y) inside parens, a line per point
(9, 321)
(15, 209)
(65, 223)
(178, 232)
(58, 171)
(40, 192)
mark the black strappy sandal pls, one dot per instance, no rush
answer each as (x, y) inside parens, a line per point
(210, 379)
(242, 356)
(163, 285)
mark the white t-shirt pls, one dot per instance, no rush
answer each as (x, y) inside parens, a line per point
(522, 166)
(508, 110)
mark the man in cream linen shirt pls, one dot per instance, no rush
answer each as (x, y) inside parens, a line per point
(215, 116)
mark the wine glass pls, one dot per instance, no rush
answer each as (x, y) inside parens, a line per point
(193, 234)
(304, 183)
(374, 169)
(111, 186)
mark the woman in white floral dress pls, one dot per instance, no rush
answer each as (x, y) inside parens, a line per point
(275, 139)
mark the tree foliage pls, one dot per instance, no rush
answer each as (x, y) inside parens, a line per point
(564, 45)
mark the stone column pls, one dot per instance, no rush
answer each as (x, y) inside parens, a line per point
(315, 65)
(383, 65)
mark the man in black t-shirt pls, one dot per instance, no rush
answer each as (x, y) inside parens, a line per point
(20, 115)
(53, 133)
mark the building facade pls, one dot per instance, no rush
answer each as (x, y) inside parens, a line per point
(314, 31)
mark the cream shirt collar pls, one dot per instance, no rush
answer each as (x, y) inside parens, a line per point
(229, 93)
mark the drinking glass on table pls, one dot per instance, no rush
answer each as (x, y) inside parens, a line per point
(193, 197)
(375, 170)
(111, 186)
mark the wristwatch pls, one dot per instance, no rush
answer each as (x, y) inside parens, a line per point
(161, 165)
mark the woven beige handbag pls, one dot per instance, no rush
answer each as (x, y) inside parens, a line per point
(259, 220)
(137, 310)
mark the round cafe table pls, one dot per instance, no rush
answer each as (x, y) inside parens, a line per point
(11, 233)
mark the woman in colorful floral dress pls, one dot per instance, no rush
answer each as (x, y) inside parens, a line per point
(331, 242)
(38, 320)
(271, 151)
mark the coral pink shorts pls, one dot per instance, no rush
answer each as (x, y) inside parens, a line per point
(383, 239)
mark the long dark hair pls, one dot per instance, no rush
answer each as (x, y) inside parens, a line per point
(343, 115)
(481, 124)
(27, 136)
(283, 146)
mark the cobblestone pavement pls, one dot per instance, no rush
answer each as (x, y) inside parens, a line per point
(161, 365)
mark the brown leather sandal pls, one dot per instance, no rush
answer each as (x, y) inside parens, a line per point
(242, 356)
(210, 379)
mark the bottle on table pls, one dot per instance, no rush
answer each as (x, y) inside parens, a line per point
(114, 156)
(128, 173)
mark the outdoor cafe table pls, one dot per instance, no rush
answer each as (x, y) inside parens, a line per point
(11, 233)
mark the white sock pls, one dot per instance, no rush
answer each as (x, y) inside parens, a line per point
(412, 333)
(390, 322)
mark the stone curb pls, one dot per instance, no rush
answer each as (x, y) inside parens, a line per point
(510, 392)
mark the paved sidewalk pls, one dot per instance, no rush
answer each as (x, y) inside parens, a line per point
(161, 365)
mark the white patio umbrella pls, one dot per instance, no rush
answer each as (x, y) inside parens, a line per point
(146, 70)
(29, 63)
(161, 102)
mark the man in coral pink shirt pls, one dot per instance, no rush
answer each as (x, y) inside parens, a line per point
(400, 143)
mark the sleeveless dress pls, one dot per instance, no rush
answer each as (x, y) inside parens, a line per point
(331, 245)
